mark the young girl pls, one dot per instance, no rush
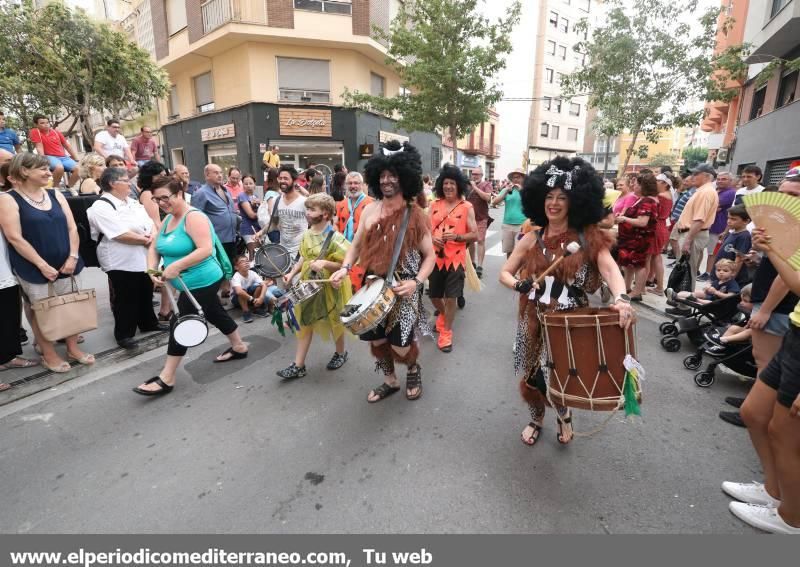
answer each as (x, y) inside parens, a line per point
(320, 313)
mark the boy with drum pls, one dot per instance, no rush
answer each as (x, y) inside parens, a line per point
(322, 250)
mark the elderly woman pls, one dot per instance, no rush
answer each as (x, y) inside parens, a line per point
(39, 226)
(637, 233)
(565, 198)
(186, 245)
(123, 232)
(90, 169)
(454, 226)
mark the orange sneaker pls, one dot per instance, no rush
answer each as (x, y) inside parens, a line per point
(445, 342)
(440, 323)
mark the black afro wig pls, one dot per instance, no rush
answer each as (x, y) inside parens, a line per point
(454, 173)
(585, 194)
(148, 171)
(406, 163)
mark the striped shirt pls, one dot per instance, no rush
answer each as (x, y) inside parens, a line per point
(677, 209)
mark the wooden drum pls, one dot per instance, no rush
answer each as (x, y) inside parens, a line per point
(586, 349)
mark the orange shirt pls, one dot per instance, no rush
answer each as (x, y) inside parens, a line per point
(454, 254)
(702, 206)
(343, 213)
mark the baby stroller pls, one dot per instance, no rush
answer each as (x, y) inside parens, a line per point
(699, 318)
(737, 357)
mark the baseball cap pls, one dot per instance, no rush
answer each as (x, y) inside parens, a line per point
(705, 168)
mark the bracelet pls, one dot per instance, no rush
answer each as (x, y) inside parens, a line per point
(347, 267)
(419, 283)
(74, 256)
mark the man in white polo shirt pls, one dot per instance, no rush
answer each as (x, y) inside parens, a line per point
(751, 183)
(110, 142)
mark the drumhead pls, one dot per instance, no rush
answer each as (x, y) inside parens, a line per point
(273, 260)
(363, 299)
(190, 331)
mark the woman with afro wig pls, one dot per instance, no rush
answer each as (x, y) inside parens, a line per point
(563, 198)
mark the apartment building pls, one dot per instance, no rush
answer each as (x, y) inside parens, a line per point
(768, 131)
(249, 74)
(556, 126)
(599, 150)
(478, 149)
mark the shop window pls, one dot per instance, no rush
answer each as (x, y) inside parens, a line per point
(787, 89)
(554, 131)
(327, 6)
(377, 85)
(436, 158)
(223, 155)
(574, 109)
(548, 75)
(562, 52)
(174, 107)
(554, 19)
(572, 134)
(204, 93)
(757, 106)
(304, 80)
(551, 47)
(545, 132)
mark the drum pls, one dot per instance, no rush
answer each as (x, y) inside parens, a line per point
(586, 349)
(368, 307)
(302, 291)
(190, 330)
(273, 261)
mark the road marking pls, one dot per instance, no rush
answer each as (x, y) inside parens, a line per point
(496, 250)
(45, 417)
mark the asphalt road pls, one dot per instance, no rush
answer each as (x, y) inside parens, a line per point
(233, 449)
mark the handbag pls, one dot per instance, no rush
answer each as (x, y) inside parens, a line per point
(221, 256)
(681, 277)
(61, 316)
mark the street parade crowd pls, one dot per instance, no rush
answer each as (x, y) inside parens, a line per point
(355, 254)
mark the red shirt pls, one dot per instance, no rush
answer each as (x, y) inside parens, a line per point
(143, 149)
(53, 141)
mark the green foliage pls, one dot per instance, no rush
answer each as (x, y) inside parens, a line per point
(660, 160)
(646, 64)
(446, 54)
(58, 62)
(694, 155)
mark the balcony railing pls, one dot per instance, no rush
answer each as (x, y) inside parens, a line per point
(219, 12)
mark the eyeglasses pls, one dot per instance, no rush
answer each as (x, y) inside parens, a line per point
(164, 199)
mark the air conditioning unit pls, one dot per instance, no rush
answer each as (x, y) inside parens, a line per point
(722, 155)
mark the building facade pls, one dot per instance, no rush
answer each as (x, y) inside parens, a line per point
(556, 126)
(768, 131)
(476, 150)
(250, 74)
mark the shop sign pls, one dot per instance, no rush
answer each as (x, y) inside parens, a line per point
(366, 151)
(305, 122)
(466, 160)
(217, 132)
(386, 136)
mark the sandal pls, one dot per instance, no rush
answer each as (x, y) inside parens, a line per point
(383, 391)
(60, 369)
(24, 364)
(165, 318)
(86, 359)
(233, 355)
(531, 441)
(337, 361)
(165, 388)
(4, 387)
(561, 422)
(414, 380)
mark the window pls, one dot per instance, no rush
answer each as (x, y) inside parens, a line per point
(554, 132)
(304, 80)
(757, 106)
(547, 103)
(178, 157)
(777, 6)
(328, 6)
(436, 158)
(554, 19)
(776, 170)
(562, 52)
(545, 130)
(377, 85)
(572, 134)
(176, 16)
(574, 109)
(548, 75)
(551, 47)
(203, 93)
(224, 154)
(557, 105)
(583, 5)
(173, 108)
(559, 76)
(564, 27)
(786, 89)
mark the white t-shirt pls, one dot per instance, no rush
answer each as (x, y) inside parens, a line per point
(129, 216)
(292, 223)
(744, 191)
(245, 282)
(112, 145)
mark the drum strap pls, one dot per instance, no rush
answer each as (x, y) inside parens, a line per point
(398, 245)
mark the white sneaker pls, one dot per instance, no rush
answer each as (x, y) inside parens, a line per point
(751, 493)
(763, 518)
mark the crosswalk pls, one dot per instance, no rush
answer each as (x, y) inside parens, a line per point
(497, 249)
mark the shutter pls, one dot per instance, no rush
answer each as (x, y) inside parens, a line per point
(776, 170)
(303, 74)
(377, 87)
(203, 89)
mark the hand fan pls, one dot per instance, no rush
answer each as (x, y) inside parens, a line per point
(779, 215)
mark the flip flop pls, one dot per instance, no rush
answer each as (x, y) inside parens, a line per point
(165, 388)
(234, 355)
(4, 387)
(26, 364)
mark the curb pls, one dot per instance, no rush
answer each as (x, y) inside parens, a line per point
(45, 380)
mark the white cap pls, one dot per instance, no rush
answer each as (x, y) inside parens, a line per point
(665, 179)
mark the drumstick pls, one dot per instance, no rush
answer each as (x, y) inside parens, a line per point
(329, 280)
(572, 248)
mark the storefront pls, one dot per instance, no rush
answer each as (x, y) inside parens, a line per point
(306, 135)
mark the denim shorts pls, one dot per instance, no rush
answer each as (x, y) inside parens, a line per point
(778, 323)
(68, 163)
(783, 371)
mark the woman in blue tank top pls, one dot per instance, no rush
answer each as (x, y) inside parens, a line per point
(43, 246)
(185, 243)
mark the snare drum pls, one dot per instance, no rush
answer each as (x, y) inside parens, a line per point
(586, 349)
(303, 291)
(369, 306)
(190, 330)
(273, 260)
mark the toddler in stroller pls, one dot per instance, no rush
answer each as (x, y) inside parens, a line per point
(699, 318)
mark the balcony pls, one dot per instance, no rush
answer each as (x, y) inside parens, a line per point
(216, 13)
(780, 33)
(598, 160)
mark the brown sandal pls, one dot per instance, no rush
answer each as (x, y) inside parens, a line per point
(414, 380)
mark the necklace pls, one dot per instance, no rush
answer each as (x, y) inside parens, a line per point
(31, 201)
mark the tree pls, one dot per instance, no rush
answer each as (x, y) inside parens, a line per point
(694, 155)
(446, 54)
(58, 62)
(660, 160)
(642, 75)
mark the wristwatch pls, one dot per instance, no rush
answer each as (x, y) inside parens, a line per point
(347, 267)
(74, 256)
(623, 297)
(419, 283)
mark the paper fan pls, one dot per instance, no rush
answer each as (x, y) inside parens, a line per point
(779, 215)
